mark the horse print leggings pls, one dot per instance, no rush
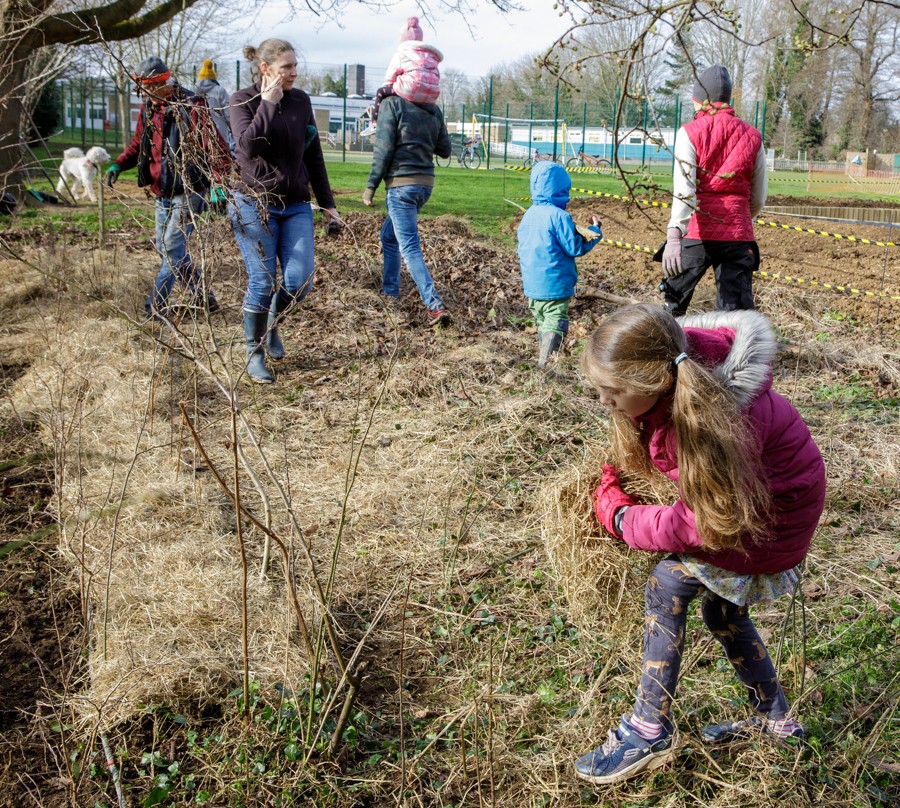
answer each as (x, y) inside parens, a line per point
(670, 590)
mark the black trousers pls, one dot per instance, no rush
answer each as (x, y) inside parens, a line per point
(734, 263)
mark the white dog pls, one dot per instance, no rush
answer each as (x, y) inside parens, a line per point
(80, 170)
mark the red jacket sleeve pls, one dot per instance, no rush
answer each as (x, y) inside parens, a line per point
(128, 158)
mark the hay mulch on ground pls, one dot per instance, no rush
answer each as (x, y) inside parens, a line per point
(393, 458)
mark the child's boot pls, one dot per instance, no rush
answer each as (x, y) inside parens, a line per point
(549, 344)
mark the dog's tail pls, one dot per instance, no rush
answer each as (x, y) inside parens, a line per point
(71, 154)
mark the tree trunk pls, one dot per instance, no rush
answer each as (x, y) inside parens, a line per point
(12, 76)
(26, 26)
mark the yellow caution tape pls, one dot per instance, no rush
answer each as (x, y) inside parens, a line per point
(627, 246)
(854, 239)
(845, 181)
(789, 278)
(849, 289)
(651, 203)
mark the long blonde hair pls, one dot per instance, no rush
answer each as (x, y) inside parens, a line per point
(720, 473)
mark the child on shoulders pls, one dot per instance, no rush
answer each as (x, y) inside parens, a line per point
(413, 73)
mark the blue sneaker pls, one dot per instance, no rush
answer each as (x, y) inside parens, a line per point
(625, 754)
(747, 730)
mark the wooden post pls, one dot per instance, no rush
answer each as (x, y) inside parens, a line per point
(102, 219)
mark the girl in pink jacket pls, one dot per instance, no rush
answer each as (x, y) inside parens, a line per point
(413, 73)
(693, 399)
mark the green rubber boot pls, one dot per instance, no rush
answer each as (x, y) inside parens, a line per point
(255, 324)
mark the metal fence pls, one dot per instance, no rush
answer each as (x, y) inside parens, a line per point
(563, 123)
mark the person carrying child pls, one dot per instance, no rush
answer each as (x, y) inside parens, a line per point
(549, 242)
(694, 399)
(413, 73)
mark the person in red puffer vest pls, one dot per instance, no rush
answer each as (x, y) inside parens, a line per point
(719, 187)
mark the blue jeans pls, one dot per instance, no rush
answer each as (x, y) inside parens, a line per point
(174, 225)
(400, 236)
(286, 239)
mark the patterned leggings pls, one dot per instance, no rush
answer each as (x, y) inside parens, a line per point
(670, 590)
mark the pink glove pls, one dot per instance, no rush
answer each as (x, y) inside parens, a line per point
(672, 254)
(609, 497)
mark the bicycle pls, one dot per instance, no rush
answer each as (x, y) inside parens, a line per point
(531, 159)
(585, 160)
(468, 156)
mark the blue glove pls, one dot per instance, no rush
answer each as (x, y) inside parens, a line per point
(595, 228)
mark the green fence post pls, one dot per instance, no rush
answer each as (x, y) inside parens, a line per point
(237, 74)
(344, 123)
(555, 119)
(490, 119)
(62, 102)
(506, 137)
(583, 124)
(763, 130)
(104, 98)
(644, 135)
(613, 129)
(530, 128)
(83, 114)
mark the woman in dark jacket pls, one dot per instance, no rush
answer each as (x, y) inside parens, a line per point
(407, 138)
(279, 156)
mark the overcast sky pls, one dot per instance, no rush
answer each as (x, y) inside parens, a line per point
(370, 38)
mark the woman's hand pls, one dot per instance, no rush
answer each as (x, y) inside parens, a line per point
(368, 196)
(272, 89)
(609, 497)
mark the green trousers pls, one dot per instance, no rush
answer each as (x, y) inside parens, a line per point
(551, 315)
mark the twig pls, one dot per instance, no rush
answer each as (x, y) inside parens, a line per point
(239, 530)
(113, 769)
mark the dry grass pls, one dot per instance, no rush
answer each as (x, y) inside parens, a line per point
(438, 462)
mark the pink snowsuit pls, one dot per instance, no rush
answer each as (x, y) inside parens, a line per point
(413, 72)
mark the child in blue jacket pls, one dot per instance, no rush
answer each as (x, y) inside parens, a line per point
(548, 246)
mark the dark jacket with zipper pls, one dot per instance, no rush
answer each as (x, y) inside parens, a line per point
(175, 147)
(277, 148)
(406, 140)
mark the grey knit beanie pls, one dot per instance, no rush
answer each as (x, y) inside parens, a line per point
(152, 70)
(714, 85)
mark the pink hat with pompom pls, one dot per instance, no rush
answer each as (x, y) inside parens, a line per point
(411, 30)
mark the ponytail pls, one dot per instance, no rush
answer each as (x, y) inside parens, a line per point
(642, 349)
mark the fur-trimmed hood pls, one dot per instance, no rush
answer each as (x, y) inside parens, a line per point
(747, 368)
(738, 347)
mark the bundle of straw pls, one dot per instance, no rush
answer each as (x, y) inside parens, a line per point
(601, 576)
